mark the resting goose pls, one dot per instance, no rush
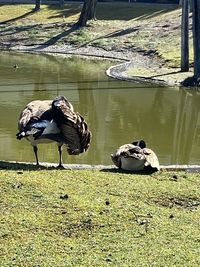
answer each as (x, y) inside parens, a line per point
(44, 121)
(135, 157)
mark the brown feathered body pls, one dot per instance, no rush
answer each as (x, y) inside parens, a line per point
(72, 125)
(131, 157)
(54, 121)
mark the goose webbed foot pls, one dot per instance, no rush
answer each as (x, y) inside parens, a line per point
(60, 167)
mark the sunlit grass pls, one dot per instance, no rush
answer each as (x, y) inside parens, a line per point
(70, 12)
(47, 14)
(98, 218)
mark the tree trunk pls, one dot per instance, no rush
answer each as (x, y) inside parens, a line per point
(37, 5)
(87, 12)
(61, 2)
(185, 37)
(196, 36)
(92, 12)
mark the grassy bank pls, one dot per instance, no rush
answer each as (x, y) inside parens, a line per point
(99, 218)
(152, 29)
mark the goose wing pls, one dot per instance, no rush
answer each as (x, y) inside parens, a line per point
(151, 158)
(125, 151)
(129, 157)
(34, 118)
(72, 126)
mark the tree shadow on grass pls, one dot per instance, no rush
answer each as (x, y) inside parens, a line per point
(165, 74)
(114, 34)
(122, 32)
(18, 166)
(137, 11)
(154, 14)
(22, 166)
(15, 30)
(147, 171)
(57, 38)
(74, 28)
(68, 10)
(18, 18)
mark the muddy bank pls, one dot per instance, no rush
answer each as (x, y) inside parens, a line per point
(148, 74)
(120, 72)
(64, 50)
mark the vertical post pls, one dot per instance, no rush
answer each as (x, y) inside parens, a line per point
(37, 5)
(196, 36)
(185, 36)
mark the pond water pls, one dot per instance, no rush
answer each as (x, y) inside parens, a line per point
(117, 112)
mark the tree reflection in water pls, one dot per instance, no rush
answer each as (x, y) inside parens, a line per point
(186, 141)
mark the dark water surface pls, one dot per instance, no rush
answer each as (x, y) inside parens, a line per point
(117, 112)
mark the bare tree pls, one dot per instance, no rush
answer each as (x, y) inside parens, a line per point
(185, 36)
(37, 5)
(196, 37)
(92, 12)
(195, 79)
(61, 2)
(87, 12)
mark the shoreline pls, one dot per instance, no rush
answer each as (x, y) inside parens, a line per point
(46, 165)
(64, 50)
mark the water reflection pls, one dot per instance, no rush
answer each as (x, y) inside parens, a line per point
(186, 141)
(116, 111)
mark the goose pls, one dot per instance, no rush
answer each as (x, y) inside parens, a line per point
(44, 121)
(135, 157)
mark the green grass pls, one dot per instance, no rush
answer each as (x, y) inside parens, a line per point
(70, 12)
(47, 14)
(99, 218)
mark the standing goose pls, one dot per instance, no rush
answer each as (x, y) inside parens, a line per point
(135, 157)
(54, 121)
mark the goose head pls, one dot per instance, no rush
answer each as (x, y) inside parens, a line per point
(61, 101)
(141, 143)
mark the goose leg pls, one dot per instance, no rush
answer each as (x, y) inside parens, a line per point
(35, 149)
(60, 156)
